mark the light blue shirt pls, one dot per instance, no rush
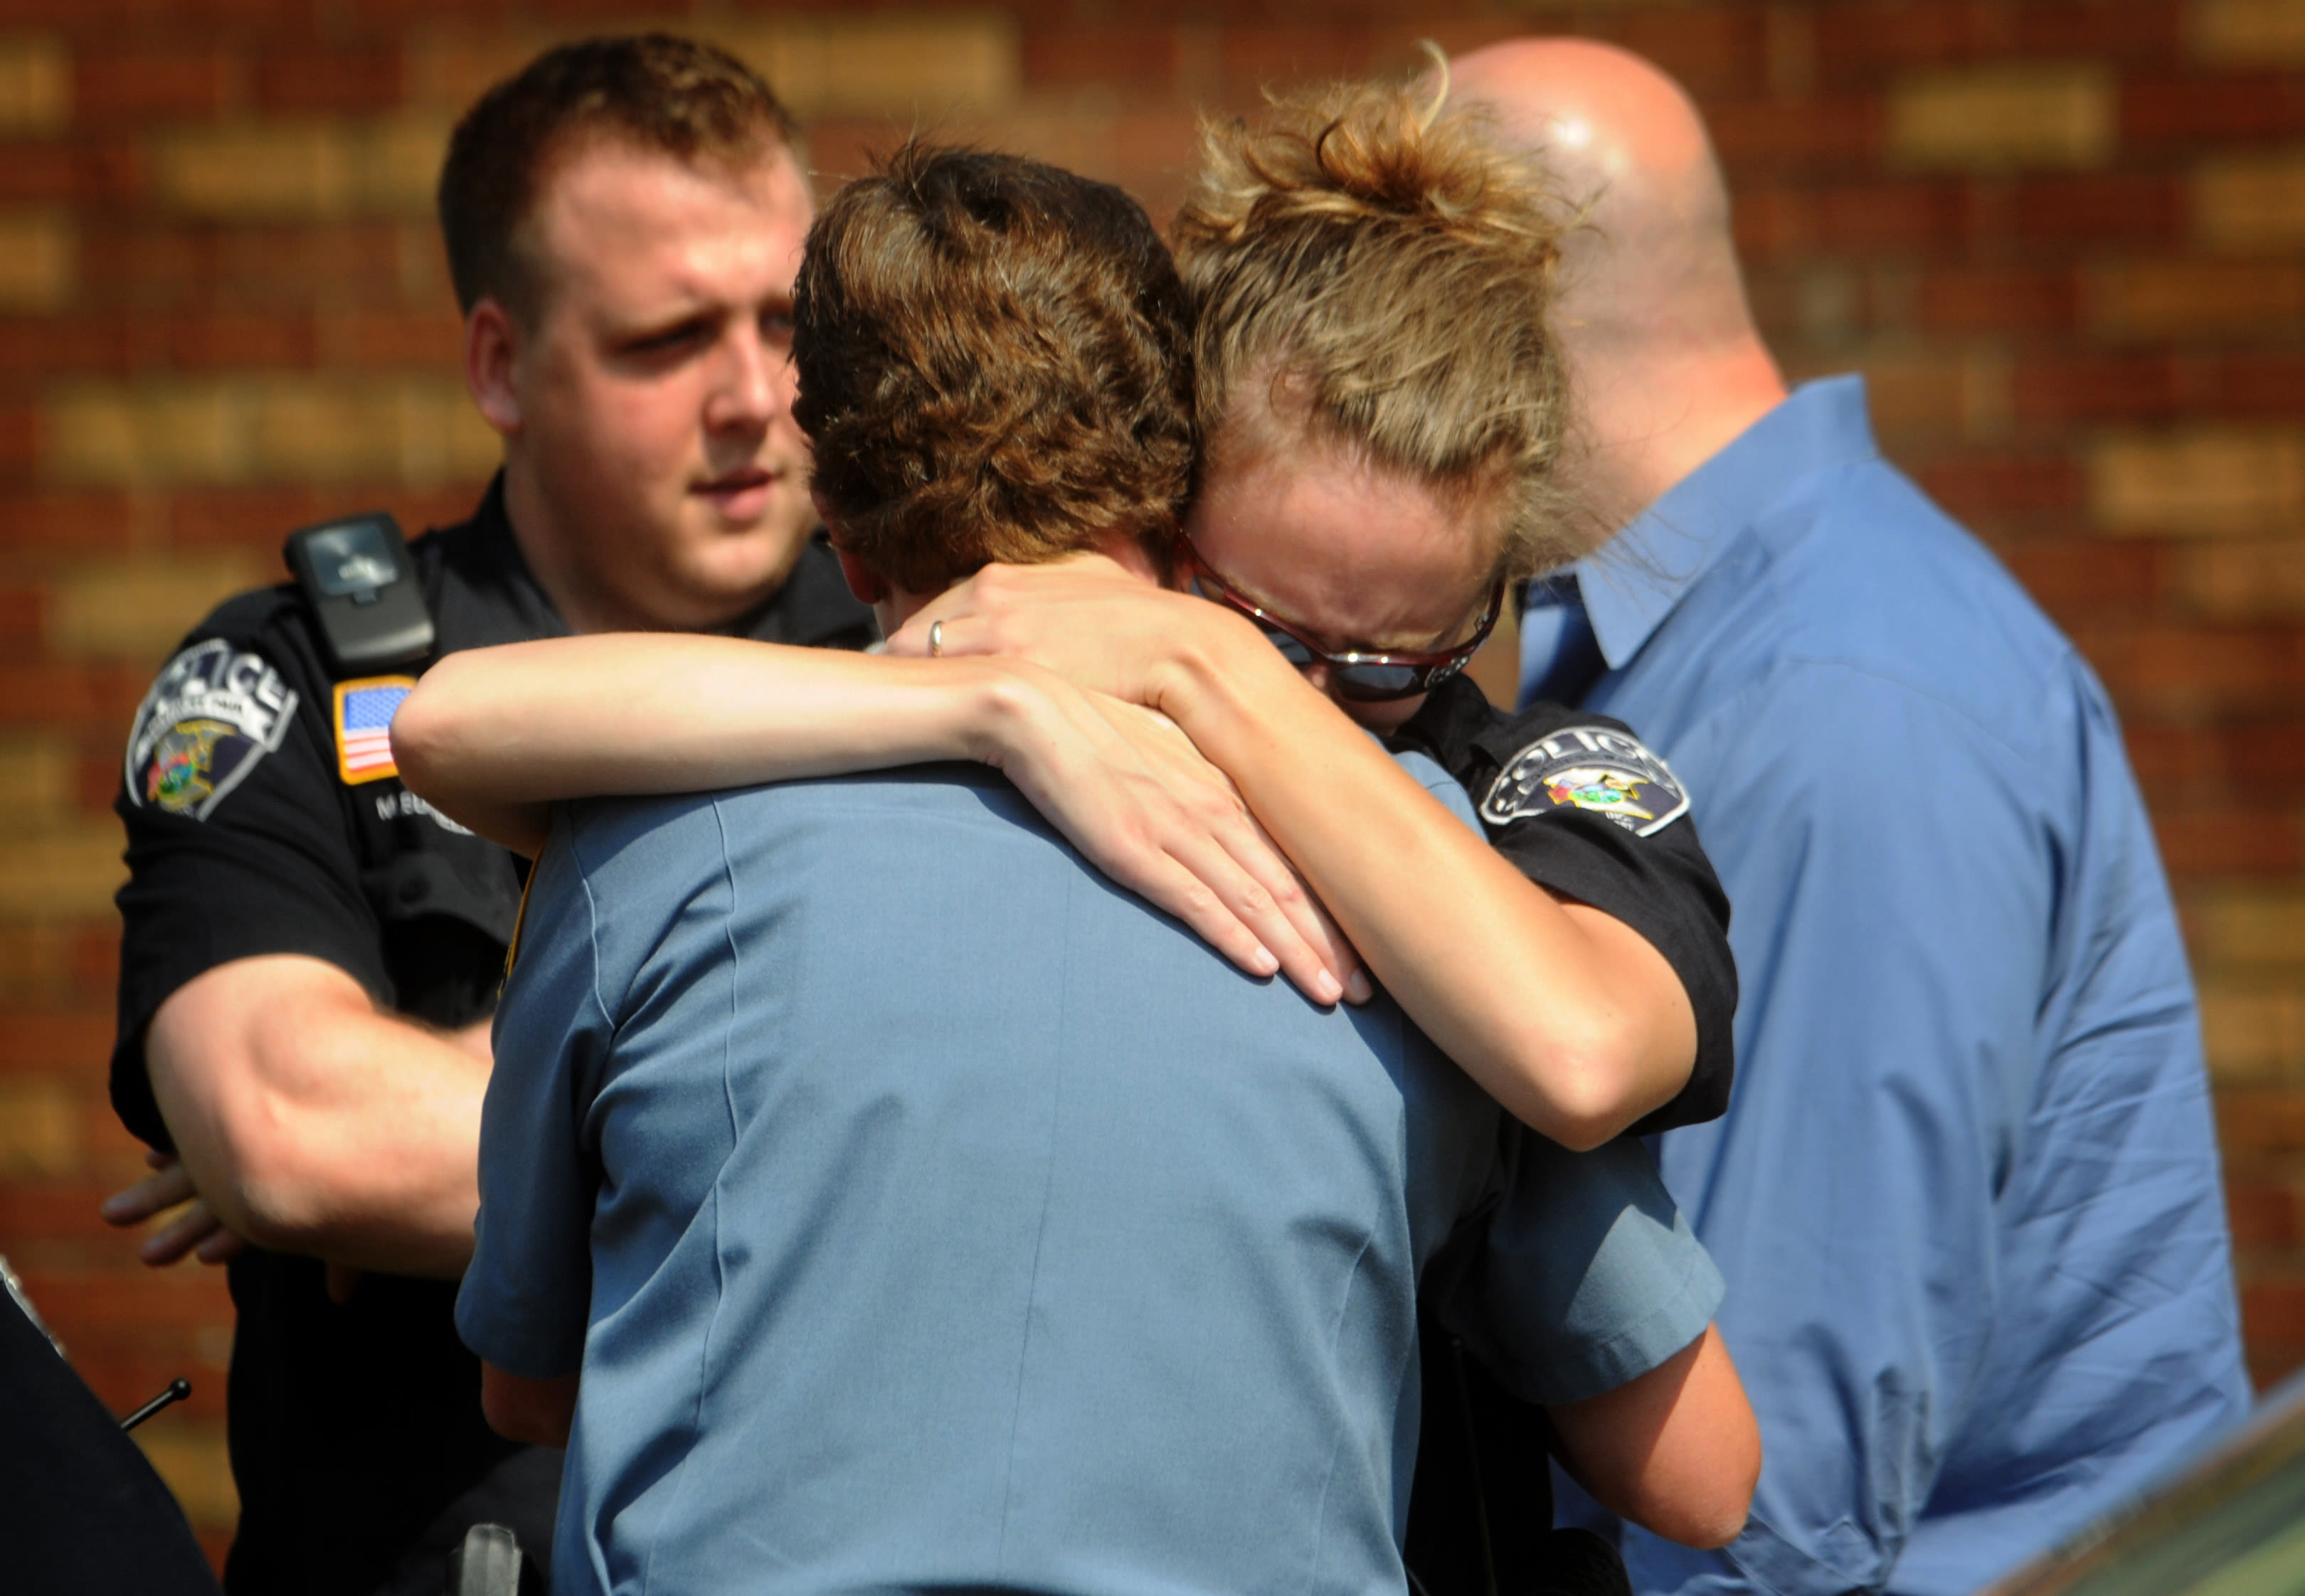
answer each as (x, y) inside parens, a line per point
(924, 1210)
(1966, 1195)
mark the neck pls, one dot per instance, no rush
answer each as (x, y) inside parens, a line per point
(1651, 422)
(535, 530)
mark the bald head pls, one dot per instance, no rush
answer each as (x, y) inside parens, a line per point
(1653, 313)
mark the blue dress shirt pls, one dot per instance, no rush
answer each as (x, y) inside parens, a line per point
(925, 1211)
(1966, 1195)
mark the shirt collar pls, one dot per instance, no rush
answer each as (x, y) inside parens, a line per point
(1633, 581)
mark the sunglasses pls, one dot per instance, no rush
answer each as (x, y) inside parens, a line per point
(1365, 675)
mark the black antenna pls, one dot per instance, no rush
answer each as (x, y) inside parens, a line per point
(178, 1390)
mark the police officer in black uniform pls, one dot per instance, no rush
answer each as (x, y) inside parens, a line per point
(312, 954)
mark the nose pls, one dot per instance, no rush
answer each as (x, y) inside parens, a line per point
(753, 382)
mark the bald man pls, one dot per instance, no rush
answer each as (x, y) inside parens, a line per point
(1966, 1195)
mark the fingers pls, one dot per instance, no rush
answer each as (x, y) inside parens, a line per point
(1248, 902)
(155, 1193)
(1294, 905)
(187, 1232)
(221, 1246)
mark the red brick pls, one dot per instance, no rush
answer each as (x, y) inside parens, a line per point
(393, 340)
(81, 523)
(65, 172)
(58, 345)
(1917, 218)
(20, 441)
(2259, 382)
(1773, 136)
(55, 1042)
(2099, 208)
(2078, 577)
(184, 1296)
(145, 85)
(2058, 390)
(2273, 1309)
(2232, 843)
(1974, 484)
(65, 1212)
(2263, 1215)
(1866, 42)
(2261, 1122)
(2150, 31)
(265, 268)
(95, 949)
(2182, 670)
(57, 695)
(1135, 59)
(1256, 56)
(2272, 1362)
(23, 621)
(328, 82)
(232, 340)
(1998, 299)
(2183, 110)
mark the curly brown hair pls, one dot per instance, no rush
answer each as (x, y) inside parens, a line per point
(995, 364)
(1372, 269)
(691, 101)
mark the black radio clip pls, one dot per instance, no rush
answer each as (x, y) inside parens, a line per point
(361, 585)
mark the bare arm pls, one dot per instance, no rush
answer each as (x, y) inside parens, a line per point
(538, 1412)
(311, 1122)
(493, 737)
(1567, 1018)
(1676, 1451)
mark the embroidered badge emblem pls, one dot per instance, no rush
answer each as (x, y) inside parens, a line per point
(212, 713)
(363, 720)
(1590, 767)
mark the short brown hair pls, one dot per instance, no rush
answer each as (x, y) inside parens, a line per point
(1383, 267)
(995, 364)
(694, 102)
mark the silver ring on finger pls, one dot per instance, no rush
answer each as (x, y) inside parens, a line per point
(935, 639)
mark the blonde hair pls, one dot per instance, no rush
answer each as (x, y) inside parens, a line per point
(1382, 266)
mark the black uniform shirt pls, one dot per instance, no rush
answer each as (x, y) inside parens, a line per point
(263, 817)
(1582, 807)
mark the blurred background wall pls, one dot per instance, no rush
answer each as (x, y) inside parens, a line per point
(2065, 239)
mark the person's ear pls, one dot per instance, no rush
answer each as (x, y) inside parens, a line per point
(867, 584)
(491, 347)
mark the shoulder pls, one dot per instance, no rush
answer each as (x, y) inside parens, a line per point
(1550, 757)
(1871, 578)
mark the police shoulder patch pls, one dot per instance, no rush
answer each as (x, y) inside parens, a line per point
(214, 712)
(363, 722)
(1595, 767)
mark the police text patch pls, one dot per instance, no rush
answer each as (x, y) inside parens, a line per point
(214, 712)
(1591, 768)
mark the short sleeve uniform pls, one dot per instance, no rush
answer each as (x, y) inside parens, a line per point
(264, 816)
(924, 1211)
(1585, 809)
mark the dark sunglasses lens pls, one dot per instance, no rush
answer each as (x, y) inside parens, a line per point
(1293, 652)
(1373, 684)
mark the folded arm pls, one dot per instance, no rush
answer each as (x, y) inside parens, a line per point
(309, 1121)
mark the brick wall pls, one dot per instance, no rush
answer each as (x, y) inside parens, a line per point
(2066, 238)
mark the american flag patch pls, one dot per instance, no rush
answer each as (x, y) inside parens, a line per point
(364, 726)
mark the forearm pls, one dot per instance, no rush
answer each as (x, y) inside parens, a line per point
(1567, 1018)
(492, 737)
(315, 1125)
(1676, 1451)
